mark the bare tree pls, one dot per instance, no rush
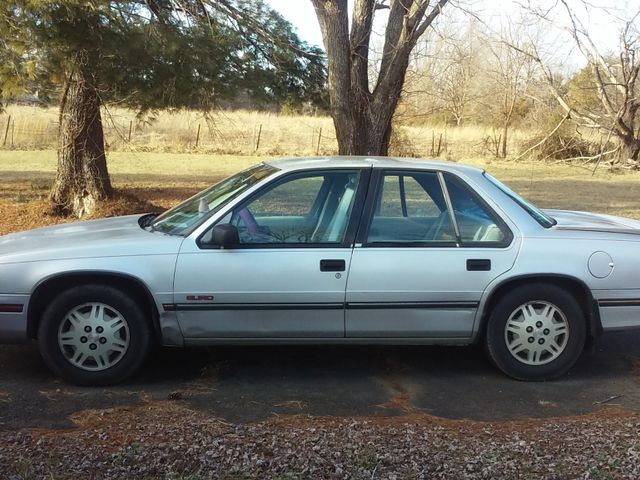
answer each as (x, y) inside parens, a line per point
(614, 79)
(456, 82)
(362, 115)
(509, 74)
(442, 72)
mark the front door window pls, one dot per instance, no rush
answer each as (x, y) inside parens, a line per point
(312, 208)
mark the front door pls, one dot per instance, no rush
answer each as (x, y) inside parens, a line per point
(287, 278)
(428, 249)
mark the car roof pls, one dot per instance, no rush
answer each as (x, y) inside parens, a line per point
(308, 163)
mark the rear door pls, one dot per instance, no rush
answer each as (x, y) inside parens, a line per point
(428, 248)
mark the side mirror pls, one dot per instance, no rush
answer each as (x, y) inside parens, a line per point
(225, 235)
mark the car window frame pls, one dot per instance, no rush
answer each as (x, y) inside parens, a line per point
(377, 179)
(377, 182)
(352, 222)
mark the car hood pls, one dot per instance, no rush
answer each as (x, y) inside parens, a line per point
(597, 222)
(117, 236)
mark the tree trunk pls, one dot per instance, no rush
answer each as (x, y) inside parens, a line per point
(82, 178)
(503, 146)
(362, 115)
(630, 149)
(367, 133)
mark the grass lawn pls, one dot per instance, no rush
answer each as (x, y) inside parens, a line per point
(20, 163)
(165, 179)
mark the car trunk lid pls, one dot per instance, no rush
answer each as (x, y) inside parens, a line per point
(596, 222)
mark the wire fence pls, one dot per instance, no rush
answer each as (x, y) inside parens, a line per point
(223, 135)
(236, 133)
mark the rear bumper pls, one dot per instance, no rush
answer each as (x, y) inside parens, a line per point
(13, 318)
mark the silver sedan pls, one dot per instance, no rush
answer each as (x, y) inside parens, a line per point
(326, 251)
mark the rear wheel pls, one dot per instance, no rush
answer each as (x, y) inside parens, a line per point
(536, 332)
(94, 335)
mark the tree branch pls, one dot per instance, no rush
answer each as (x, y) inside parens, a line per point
(557, 127)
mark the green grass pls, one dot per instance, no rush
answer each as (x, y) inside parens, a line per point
(187, 164)
(548, 185)
(123, 163)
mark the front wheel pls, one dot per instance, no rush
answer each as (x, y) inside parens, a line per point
(94, 335)
(536, 332)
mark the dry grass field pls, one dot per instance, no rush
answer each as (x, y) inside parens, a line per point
(225, 132)
(238, 133)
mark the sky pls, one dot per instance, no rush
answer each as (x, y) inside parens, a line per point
(302, 15)
(601, 24)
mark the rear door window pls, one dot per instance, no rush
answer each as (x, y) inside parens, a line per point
(411, 209)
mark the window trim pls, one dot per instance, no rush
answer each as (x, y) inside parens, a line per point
(452, 213)
(403, 198)
(377, 179)
(352, 222)
(534, 212)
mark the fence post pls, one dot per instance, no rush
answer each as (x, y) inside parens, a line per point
(198, 136)
(439, 145)
(258, 139)
(130, 126)
(433, 142)
(6, 131)
(319, 139)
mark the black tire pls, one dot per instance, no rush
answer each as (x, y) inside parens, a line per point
(539, 296)
(125, 363)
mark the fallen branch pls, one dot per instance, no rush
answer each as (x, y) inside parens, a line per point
(564, 119)
(613, 397)
(593, 157)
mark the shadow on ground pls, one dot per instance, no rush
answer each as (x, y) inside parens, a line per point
(243, 384)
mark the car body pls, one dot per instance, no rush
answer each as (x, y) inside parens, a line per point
(352, 250)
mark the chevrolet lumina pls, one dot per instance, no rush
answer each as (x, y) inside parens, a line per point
(341, 250)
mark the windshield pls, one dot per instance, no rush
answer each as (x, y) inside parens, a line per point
(182, 218)
(543, 219)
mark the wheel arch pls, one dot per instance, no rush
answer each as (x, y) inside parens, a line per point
(573, 285)
(49, 287)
